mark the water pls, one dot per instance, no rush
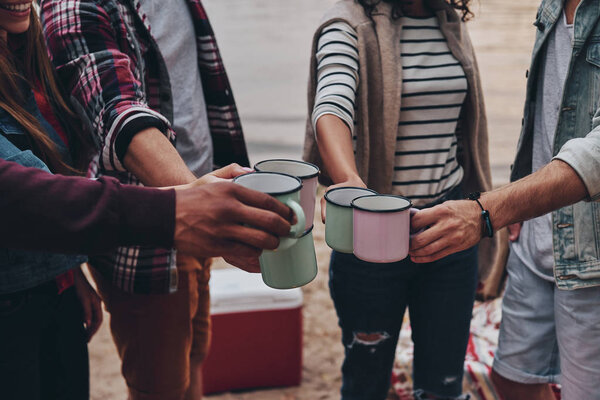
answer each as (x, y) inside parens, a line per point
(266, 48)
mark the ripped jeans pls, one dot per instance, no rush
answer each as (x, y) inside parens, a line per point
(370, 300)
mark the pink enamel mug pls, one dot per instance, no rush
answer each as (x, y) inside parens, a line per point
(308, 173)
(381, 228)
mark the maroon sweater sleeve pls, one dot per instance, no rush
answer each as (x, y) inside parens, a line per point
(41, 211)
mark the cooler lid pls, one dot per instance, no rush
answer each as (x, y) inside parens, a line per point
(233, 290)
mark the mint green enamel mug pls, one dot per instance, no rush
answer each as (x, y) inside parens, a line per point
(292, 267)
(291, 264)
(338, 217)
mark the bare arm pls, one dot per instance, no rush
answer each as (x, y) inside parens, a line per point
(335, 147)
(155, 161)
(458, 225)
(552, 187)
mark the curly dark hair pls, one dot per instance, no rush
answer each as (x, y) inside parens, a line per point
(460, 5)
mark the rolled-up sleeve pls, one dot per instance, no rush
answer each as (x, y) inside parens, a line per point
(583, 155)
(99, 75)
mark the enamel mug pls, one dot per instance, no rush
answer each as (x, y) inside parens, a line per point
(338, 217)
(381, 228)
(290, 268)
(277, 271)
(308, 173)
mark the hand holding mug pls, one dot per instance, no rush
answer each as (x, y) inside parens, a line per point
(225, 219)
(450, 227)
(223, 174)
(354, 182)
(293, 263)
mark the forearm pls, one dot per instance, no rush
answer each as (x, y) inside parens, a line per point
(335, 147)
(41, 211)
(155, 161)
(85, 47)
(552, 187)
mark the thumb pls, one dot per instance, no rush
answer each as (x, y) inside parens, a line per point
(422, 219)
(514, 231)
(87, 312)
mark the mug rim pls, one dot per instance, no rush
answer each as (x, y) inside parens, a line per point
(383, 211)
(281, 193)
(306, 232)
(327, 199)
(314, 174)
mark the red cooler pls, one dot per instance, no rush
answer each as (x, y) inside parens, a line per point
(256, 334)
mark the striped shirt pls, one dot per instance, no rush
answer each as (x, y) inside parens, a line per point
(434, 87)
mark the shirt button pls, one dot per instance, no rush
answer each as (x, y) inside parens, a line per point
(540, 25)
(527, 74)
(227, 92)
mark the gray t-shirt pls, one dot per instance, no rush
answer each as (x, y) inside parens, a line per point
(173, 29)
(534, 246)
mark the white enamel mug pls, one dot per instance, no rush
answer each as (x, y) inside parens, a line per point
(283, 187)
(308, 173)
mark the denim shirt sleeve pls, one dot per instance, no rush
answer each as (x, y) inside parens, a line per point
(583, 155)
(25, 269)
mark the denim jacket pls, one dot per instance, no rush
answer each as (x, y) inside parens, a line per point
(576, 228)
(19, 269)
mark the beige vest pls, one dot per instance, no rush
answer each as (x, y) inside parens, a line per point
(379, 96)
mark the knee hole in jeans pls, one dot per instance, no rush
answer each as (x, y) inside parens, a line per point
(369, 339)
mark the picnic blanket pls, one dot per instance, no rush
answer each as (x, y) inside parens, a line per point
(478, 362)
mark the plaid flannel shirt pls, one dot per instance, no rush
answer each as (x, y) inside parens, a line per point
(106, 57)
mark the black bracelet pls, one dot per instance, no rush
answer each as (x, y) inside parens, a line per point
(485, 214)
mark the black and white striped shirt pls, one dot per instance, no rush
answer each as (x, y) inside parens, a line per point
(434, 87)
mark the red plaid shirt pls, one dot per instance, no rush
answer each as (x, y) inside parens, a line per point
(106, 57)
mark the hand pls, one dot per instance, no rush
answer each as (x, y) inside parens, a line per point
(448, 228)
(90, 304)
(248, 264)
(354, 182)
(514, 230)
(223, 174)
(227, 220)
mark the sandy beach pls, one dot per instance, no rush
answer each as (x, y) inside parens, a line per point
(266, 45)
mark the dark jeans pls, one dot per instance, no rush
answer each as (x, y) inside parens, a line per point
(43, 349)
(370, 300)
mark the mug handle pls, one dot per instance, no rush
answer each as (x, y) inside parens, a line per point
(297, 229)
